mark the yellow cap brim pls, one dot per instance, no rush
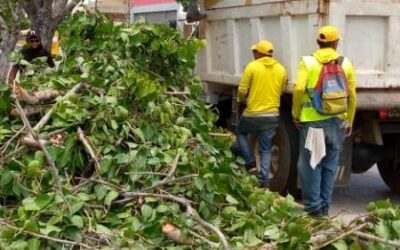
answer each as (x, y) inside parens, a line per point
(254, 47)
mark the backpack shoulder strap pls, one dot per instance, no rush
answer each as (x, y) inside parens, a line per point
(340, 60)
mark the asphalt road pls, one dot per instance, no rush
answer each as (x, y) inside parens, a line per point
(351, 201)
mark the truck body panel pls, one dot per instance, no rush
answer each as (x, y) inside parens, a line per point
(369, 30)
(370, 38)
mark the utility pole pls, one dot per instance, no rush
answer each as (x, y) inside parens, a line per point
(129, 11)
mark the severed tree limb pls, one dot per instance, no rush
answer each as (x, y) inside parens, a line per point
(128, 196)
(53, 169)
(177, 93)
(146, 173)
(173, 169)
(89, 149)
(38, 235)
(370, 237)
(76, 188)
(103, 182)
(4, 147)
(31, 110)
(167, 182)
(191, 211)
(175, 233)
(29, 141)
(46, 118)
(221, 134)
(355, 229)
(168, 177)
(204, 239)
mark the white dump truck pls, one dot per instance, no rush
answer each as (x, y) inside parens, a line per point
(370, 39)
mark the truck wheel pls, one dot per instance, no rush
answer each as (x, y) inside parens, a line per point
(390, 173)
(284, 158)
(389, 169)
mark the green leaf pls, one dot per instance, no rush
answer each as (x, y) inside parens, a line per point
(147, 211)
(383, 204)
(77, 221)
(198, 183)
(49, 229)
(19, 245)
(122, 158)
(101, 192)
(112, 195)
(138, 132)
(32, 225)
(103, 229)
(229, 212)
(340, 245)
(355, 246)
(30, 204)
(231, 200)
(73, 233)
(43, 200)
(34, 244)
(6, 177)
(396, 227)
(383, 231)
(162, 208)
(272, 232)
(7, 234)
(76, 205)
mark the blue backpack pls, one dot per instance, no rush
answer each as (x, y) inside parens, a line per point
(330, 94)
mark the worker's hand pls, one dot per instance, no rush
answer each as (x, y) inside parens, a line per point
(349, 130)
(296, 123)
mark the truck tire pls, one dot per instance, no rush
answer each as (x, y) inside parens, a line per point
(284, 158)
(389, 169)
(390, 173)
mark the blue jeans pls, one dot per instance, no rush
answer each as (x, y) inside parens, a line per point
(265, 129)
(318, 183)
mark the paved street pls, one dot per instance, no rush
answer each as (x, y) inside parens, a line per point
(363, 188)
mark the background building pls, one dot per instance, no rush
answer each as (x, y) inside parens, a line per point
(156, 11)
(119, 10)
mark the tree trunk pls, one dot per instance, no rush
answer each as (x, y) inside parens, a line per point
(45, 28)
(9, 35)
(7, 46)
(46, 15)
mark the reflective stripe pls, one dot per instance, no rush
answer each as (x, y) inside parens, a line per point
(306, 104)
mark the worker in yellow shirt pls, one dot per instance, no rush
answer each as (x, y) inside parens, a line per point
(260, 88)
(324, 104)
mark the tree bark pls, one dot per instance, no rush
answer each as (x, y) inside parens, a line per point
(9, 34)
(46, 15)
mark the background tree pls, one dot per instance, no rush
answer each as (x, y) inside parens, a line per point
(46, 15)
(11, 16)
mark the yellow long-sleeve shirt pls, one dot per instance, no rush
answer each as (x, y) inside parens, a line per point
(302, 81)
(261, 86)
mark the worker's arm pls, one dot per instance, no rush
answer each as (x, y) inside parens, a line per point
(299, 90)
(244, 85)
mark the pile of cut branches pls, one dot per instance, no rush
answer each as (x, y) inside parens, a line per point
(127, 157)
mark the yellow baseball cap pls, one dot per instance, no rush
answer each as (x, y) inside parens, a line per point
(328, 33)
(264, 47)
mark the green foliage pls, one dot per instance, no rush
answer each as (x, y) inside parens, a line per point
(136, 128)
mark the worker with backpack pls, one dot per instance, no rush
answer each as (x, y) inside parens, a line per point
(324, 104)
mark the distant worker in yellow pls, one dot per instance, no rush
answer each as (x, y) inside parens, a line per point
(260, 89)
(32, 50)
(324, 104)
